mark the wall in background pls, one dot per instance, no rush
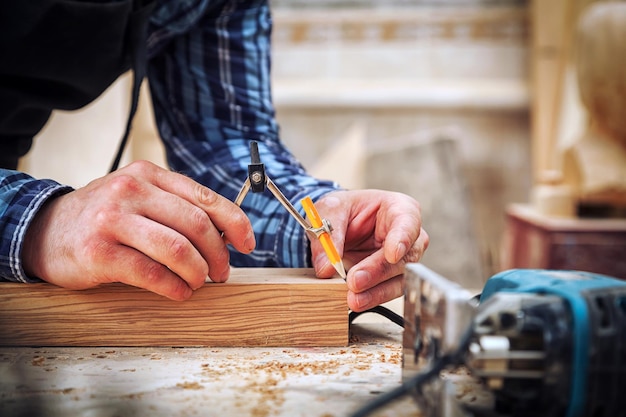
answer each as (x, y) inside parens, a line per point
(407, 76)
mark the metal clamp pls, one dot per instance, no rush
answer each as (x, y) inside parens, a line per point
(325, 228)
(257, 180)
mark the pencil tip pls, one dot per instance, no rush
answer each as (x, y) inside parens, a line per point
(340, 269)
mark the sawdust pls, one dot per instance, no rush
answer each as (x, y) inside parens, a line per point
(38, 361)
(299, 368)
(64, 391)
(354, 339)
(264, 379)
(461, 370)
(395, 358)
(189, 385)
(271, 397)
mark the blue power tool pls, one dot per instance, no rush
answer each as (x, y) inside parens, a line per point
(576, 323)
(538, 342)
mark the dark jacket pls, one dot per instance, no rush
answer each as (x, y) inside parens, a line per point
(62, 54)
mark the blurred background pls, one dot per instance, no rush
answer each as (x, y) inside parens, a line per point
(459, 103)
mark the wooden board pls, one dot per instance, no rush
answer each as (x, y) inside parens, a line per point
(255, 307)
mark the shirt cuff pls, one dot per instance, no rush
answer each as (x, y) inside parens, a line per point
(28, 198)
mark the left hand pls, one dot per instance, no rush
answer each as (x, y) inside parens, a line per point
(377, 232)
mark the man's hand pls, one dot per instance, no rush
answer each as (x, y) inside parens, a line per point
(378, 232)
(141, 225)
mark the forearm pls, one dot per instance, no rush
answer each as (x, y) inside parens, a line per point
(211, 93)
(21, 197)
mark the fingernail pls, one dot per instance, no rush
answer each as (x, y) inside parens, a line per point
(363, 299)
(250, 242)
(221, 277)
(217, 279)
(362, 280)
(400, 251)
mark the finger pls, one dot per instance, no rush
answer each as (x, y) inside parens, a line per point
(415, 253)
(403, 230)
(165, 246)
(386, 291)
(196, 225)
(179, 227)
(321, 263)
(131, 267)
(372, 271)
(225, 215)
(422, 244)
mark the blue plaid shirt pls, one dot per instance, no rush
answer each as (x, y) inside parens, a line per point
(209, 74)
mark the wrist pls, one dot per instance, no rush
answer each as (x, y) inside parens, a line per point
(34, 241)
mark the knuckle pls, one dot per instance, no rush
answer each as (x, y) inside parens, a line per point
(106, 216)
(205, 195)
(200, 221)
(124, 185)
(178, 249)
(141, 166)
(152, 273)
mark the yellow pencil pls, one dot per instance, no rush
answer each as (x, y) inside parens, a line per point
(324, 237)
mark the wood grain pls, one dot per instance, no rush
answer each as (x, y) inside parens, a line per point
(255, 307)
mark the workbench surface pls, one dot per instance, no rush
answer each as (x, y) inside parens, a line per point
(170, 382)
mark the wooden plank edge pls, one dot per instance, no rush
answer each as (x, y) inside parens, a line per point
(280, 312)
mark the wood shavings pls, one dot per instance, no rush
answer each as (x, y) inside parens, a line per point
(354, 339)
(238, 382)
(38, 361)
(189, 385)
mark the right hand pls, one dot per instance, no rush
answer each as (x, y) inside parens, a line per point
(141, 225)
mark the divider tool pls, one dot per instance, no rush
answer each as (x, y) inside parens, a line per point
(315, 226)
